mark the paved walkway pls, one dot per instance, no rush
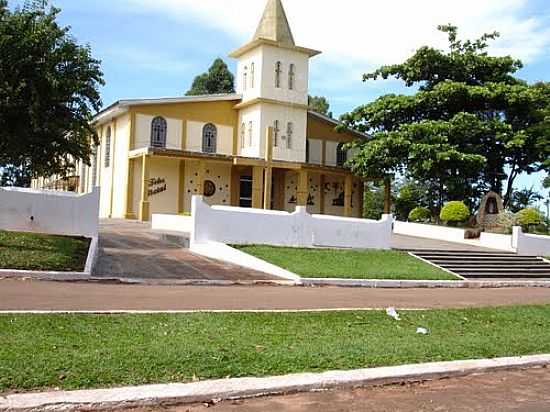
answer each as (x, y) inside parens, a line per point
(38, 295)
(131, 250)
(517, 391)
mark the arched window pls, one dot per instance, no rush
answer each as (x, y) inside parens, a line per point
(245, 77)
(276, 131)
(250, 131)
(291, 76)
(243, 136)
(209, 138)
(341, 154)
(108, 147)
(278, 72)
(252, 75)
(289, 134)
(159, 128)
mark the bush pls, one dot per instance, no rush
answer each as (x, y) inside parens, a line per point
(454, 212)
(529, 217)
(420, 214)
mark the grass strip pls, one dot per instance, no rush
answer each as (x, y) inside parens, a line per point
(31, 251)
(91, 351)
(348, 264)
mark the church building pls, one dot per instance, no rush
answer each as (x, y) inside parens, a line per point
(260, 147)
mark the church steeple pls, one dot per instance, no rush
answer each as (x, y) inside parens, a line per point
(274, 25)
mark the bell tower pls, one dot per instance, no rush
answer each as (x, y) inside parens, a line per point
(272, 77)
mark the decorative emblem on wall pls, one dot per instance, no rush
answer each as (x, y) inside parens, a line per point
(156, 186)
(209, 188)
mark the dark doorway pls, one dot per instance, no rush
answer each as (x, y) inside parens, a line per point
(245, 197)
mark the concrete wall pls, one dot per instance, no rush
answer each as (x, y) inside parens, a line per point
(531, 245)
(218, 173)
(224, 143)
(41, 211)
(143, 132)
(449, 234)
(172, 222)
(252, 226)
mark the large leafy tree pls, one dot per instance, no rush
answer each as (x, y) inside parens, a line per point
(48, 92)
(217, 80)
(472, 125)
(319, 104)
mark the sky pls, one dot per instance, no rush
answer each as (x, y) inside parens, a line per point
(154, 48)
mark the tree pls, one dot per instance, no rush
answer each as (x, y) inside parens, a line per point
(472, 125)
(522, 199)
(15, 176)
(319, 104)
(218, 80)
(48, 93)
(546, 182)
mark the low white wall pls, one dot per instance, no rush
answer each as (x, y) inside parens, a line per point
(42, 211)
(170, 223)
(450, 234)
(531, 245)
(496, 241)
(429, 231)
(252, 226)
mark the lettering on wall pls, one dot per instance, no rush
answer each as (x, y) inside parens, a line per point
(157, 185)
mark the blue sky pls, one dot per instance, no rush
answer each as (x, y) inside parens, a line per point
(154, 48)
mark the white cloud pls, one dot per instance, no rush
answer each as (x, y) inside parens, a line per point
(368, 33)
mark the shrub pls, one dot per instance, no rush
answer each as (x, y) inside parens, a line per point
(529, 217)
(454, 212)
(420, 214)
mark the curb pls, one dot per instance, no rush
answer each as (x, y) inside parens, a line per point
(226, 389)
(424, 284)
(91, 261)
(304, 282)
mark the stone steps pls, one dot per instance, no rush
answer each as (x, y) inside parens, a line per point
(488, 265)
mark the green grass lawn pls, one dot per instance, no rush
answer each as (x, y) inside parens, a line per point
(30, 251)
(348, 264)
(87, 351)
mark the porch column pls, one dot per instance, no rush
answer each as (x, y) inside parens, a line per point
(181, 187)
(361, 197)
(130, 191)
(387, 196)
(235, 186)
(257, 186)
(348, 193)
(322, 194)
(303, 191)
(268, 170)
(144, 206)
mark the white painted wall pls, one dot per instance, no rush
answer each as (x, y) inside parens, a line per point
(246, 60)
(530, 245)
(429, 231)
(51, 212)
(194, 138)
(251, 146)
(449, 234)
(252, 226)
(143, 132)
(298, 116)
(170, 222)
(315, 151)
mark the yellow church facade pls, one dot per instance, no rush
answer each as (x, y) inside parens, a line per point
(260, 147)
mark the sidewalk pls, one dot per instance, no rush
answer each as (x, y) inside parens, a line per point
(17, 295)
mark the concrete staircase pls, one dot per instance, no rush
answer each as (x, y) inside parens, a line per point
(488, 265)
